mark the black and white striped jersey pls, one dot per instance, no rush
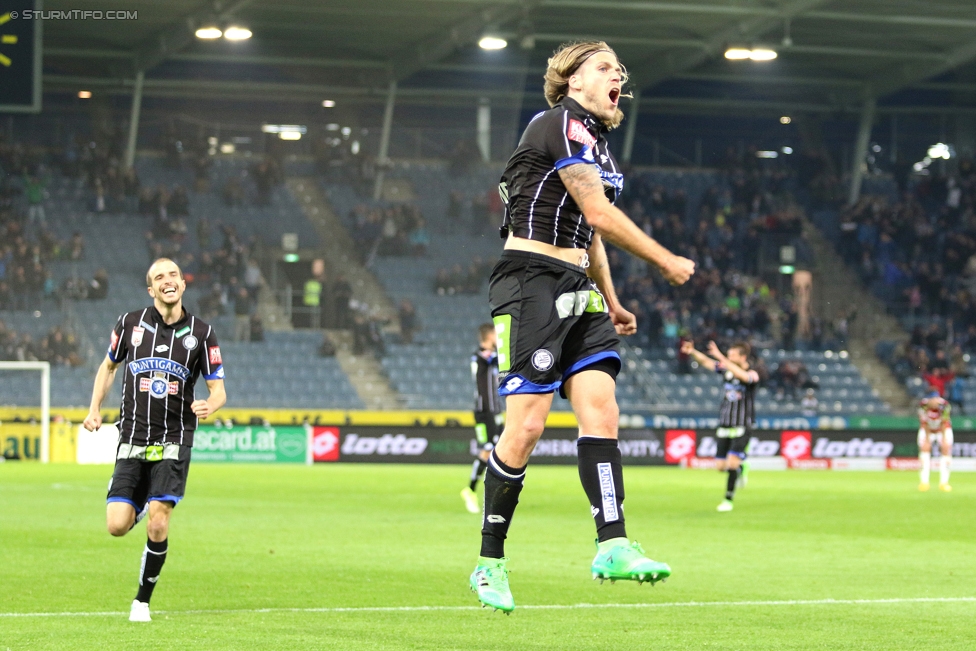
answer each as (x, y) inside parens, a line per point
(739, 400)
(160, 364)
(537, 205)
(484, 370)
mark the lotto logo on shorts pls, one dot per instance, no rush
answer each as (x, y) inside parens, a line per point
(215, 355)
(679, 444)
(795, 444)
(325, 443)
(608, 492)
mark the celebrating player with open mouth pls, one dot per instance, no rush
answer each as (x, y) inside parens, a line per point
(163, 348)
(556, 312)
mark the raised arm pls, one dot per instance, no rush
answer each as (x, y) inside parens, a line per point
(103, 383)
(739, 373)
(583, 183)
(688, 348)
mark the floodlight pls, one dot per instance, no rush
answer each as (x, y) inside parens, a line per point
(209, 33)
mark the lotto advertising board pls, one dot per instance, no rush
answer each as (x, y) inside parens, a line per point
(458, 445)
(254, 444)
(794, 448)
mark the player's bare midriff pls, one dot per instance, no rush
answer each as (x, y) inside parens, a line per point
(572, 256)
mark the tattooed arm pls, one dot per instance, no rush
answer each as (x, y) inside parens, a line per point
(585, 186)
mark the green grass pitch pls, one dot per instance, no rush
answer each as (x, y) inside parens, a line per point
(357, 541)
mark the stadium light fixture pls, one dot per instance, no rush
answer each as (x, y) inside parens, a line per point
(787, 150)
(290, 135)
(84, 94)
(209, 33)
(227, 148)
(492, 43)
(767, 153)
(785, 119)
(283, 128)
(328, 103)
(737, 53)
(763, 54)
(756, 54)
(237, 33)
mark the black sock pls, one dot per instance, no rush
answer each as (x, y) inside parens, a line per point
(602, 476)
(153, 557)
(502, 487)
(730, 486)
(476, 471)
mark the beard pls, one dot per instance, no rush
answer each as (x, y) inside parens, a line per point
(613, 122)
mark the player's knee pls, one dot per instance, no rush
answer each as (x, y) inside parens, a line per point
(158, 528)
(603, 420)
(118, 528)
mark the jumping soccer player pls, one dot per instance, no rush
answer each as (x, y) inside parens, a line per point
(934, 425)
(556, 312)
(163, 349)
(737, 414)
(487, 407)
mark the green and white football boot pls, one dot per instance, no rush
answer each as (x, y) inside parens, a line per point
(619, 559)
(490, 581)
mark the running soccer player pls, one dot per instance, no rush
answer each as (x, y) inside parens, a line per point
(934, 425)
(162, 349)
(487, 407)
(556, 312)
(737, 414)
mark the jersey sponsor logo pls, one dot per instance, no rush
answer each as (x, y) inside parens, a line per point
(137, 333)
(162, 348)
(578, 132)
(190, 342)
(158, 387)
(114, 341)
(215, 355)
(608, 492)
(795, 444)
(325, 443)
(542, 360)
(679, 444)
(153, 364)
(513, 383)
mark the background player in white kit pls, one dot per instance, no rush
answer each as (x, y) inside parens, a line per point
(934, 425)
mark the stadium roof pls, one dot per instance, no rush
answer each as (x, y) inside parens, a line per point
(914, 55)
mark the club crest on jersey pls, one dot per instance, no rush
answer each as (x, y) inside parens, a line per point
(190, 342)
(136, 338)
(578, 132)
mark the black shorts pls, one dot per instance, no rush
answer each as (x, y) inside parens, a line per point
(552, 322)
(734, 446)
(136, 481)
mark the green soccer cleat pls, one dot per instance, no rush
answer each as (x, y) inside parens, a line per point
(619, 559)
(724, 507)
(490, 581)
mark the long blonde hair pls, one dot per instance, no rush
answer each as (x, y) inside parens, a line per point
(566, 60)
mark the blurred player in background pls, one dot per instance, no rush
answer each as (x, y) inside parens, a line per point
(161, 349)
(488, 407)
(556, 313)
(737, 415)
(934, 425)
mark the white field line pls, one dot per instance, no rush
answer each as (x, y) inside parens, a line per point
(416, 609)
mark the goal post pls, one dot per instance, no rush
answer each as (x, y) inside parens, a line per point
(45, 369)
